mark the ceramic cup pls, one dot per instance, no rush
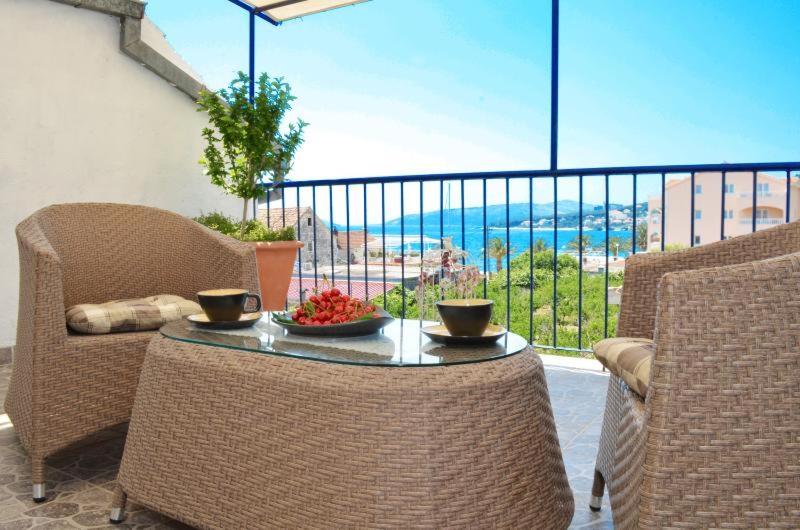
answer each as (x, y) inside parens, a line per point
(466, 317)
(226, 305)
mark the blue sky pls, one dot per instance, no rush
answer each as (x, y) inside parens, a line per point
(418, 86)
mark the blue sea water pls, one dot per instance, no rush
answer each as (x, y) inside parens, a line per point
(519, 238)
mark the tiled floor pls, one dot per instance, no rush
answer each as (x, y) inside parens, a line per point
(80, 481)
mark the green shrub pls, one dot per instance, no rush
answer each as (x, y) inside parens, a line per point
(592, 309)
(254, 230)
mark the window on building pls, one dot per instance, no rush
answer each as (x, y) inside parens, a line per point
(696, 240)
(762, 213)
(698, 214)
(762, 188)
(308, 221)
(728, 188)
(698, 189)
(728, 214)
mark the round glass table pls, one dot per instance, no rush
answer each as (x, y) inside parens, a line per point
(399, 344)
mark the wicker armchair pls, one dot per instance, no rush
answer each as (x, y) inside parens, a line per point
(716, 442)
(65, 387)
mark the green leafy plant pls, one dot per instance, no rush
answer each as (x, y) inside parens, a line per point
(245, 143)
(254, 230)
(498, 249)
(580, 243)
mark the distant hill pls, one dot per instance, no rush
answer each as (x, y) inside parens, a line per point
(496, 214)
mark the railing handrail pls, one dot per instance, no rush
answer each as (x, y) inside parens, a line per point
(547, 173)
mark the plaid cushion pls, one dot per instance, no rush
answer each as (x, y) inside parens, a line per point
(129, 315)
(628, 358)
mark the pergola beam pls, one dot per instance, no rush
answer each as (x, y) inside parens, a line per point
(278, 5)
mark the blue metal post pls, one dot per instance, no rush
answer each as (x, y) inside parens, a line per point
(554, 89)
(252, 68)
(252, 56)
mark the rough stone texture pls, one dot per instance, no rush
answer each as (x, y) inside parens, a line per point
(120, 8)
(132, 45)
(81, 479)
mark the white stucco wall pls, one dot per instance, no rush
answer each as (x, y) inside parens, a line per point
(81, 121)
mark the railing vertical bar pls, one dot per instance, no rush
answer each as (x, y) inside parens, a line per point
(605, 317)
(347, 235)
(283, 208)
(508, 254)
(299, 250)
(485, 243)
(580, 261)
(383, 239)
(441, 236)
(403, 249)
(635, 226)
(788, 194)
(530, 264)
(755, 202)
(421, 248)
(334, 240)
(463, 237)
(722, 206)
(314, 227)
(694, 213)
(663, 211)
(366, 248)
(555, 261)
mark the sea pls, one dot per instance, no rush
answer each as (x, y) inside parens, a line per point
(473, 243)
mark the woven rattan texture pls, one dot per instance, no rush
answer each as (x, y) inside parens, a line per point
(717, 444)
(65, 386)
(226, 439)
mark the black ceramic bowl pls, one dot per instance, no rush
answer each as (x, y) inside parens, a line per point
(467, 317)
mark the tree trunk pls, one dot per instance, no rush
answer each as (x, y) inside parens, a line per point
(244, 219)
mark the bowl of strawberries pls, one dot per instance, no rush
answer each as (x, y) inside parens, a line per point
(332, 313)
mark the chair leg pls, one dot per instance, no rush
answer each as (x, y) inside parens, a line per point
(118, 503)
(37, 478)
(598, 486)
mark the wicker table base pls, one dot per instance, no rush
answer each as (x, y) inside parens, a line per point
(227, 439)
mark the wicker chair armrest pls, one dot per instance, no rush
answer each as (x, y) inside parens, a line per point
(644, 271)
(725, 392)
(41, 321)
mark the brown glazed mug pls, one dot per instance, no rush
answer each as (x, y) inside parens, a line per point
(467, 317)
(226, 305)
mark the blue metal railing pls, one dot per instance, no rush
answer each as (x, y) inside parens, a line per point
(382, 282)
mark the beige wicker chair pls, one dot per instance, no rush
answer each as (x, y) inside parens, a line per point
(716, 443)
(64, 386)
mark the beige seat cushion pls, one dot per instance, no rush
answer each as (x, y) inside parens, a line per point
(129, 315)
(628, 358)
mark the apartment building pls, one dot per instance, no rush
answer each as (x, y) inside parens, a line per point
(708, 215)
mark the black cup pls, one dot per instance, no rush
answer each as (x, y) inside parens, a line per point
(466, 317)
(226, 305)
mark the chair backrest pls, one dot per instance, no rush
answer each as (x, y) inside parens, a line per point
(643, 271)
(114, 251)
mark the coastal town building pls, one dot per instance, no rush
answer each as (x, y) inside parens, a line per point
(708, 212)
(309, 228)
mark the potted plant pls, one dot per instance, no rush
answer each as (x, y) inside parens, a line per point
(247, 152)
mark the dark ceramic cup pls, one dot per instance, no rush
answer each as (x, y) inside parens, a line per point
(226, 305)
(465, 317)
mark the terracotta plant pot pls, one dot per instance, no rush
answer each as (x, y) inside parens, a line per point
(275, 264)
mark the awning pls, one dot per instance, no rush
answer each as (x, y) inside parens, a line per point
(280, 10)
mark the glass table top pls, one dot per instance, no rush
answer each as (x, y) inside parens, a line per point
(400, 344)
